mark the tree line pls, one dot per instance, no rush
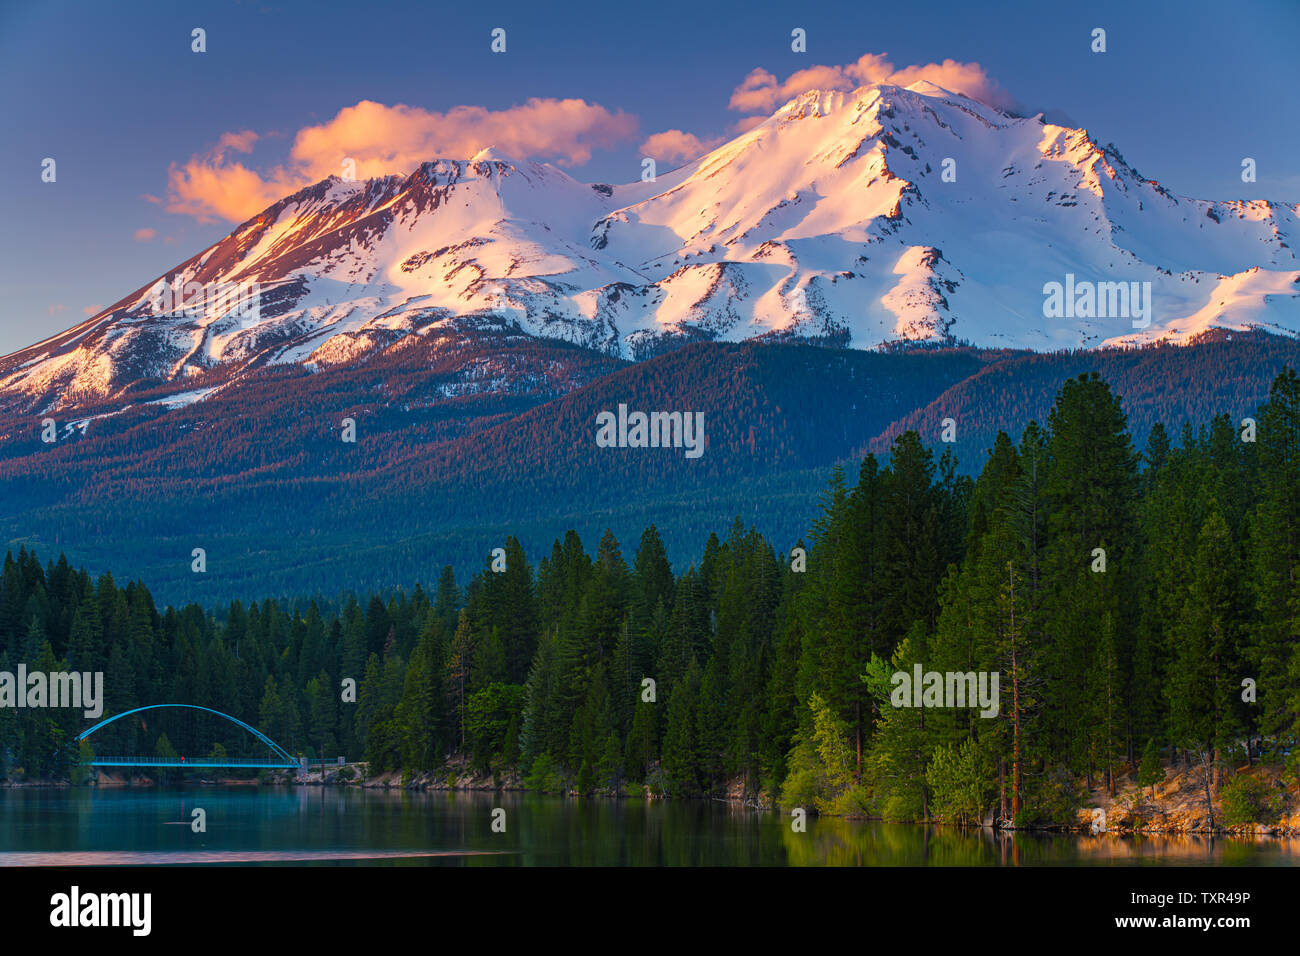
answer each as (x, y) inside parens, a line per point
(1135, 607)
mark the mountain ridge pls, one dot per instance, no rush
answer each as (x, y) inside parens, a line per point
(834, 221)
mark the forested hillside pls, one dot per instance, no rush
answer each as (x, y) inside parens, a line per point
(462, 439)
(1220, 373)
(773, 668)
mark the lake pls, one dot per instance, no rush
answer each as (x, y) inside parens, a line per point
(349, 826)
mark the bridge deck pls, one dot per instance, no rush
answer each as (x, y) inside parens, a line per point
(177, 762)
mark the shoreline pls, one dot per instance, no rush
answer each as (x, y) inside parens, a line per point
(1143, 819)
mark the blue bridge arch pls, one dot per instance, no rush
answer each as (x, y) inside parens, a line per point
(280, 758)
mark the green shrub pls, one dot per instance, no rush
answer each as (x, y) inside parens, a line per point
(545, 776)
(821, 767)
(902, 806)
(655, 782)
(1249, 799)
(1054, 802)
(960, 785)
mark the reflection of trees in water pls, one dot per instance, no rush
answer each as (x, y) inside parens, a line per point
(636, 832)
(544, 830)
(835, 842)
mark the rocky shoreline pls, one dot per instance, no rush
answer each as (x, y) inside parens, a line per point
(1176, 809)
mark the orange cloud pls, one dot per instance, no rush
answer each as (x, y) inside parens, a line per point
(383, 140)
(144, 235)
(747, 123)
(211, 186)
(673, 144)
(762, 92)
(242, 141)
(386, 139)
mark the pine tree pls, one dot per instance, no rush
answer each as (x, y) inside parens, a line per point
(538, 733)
(446, 601)
(680, 751)
(1089, 493)
(322, 715)
(711, 726)
(901, 750)
(516, 618)
(642, 741)
(1203, 684)
(421, 712)
(652, 579)
(1275, 560)
(912, 562)
(460, 670)
(1152, 771)
(86, 639)
(822, 765)
(781, 697)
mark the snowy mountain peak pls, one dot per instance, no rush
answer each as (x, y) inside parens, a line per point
(860, 218)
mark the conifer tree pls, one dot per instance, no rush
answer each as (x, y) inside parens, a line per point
(421, 711)
(1275, 560)
(680, 750)
(1152, 771)
(1203, 684)
(1089, 490)
(460, 671)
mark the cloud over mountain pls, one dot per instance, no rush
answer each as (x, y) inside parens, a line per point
(762, 92)
(389, 140)
(673, 144)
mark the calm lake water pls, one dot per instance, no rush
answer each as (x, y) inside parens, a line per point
(330, 826)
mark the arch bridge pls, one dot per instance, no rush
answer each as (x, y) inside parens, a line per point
(278, 757)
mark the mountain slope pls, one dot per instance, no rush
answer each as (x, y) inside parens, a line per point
(1218, 373)
(878, 216)
(463, 439)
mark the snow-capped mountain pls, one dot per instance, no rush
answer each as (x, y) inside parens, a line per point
(864, 218)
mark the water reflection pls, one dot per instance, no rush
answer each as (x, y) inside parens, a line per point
(326, 826)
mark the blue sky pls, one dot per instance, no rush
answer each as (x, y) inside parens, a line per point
(115, 95)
